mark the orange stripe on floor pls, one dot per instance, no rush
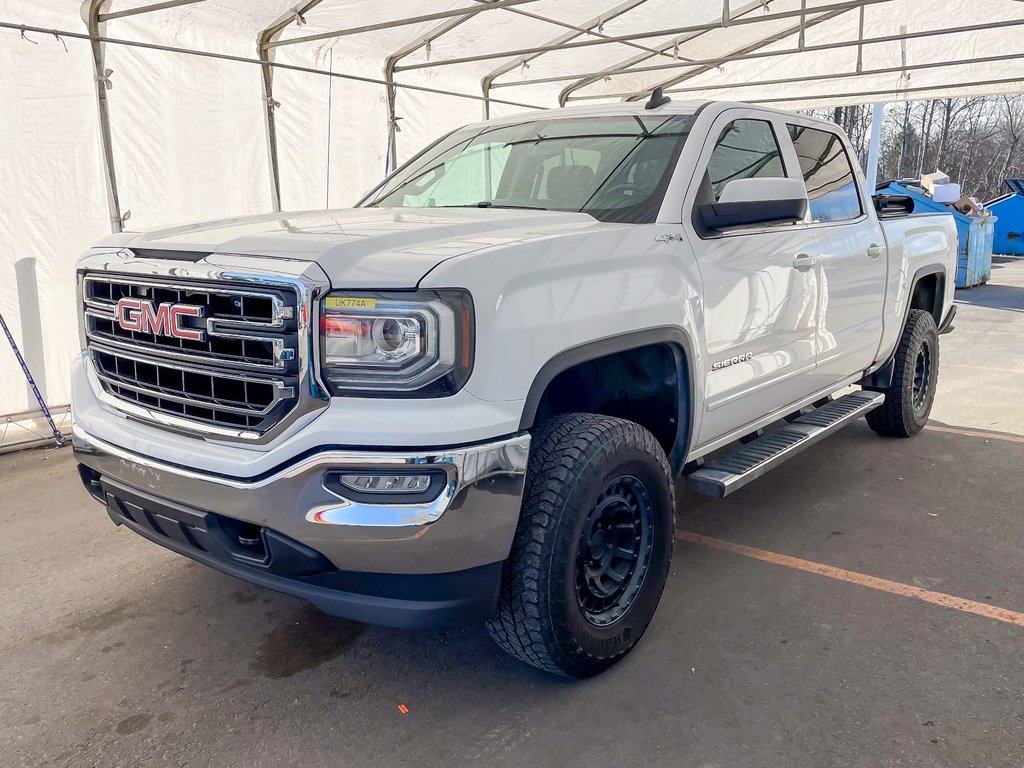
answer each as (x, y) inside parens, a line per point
(861, 579)
(982, 433)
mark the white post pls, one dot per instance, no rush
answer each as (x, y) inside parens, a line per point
(873, 145)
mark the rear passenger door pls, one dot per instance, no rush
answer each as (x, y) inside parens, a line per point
(758, 283)
(851, 251)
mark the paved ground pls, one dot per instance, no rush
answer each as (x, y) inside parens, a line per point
(114, 652)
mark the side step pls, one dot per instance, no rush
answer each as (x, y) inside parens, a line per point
(725, 474)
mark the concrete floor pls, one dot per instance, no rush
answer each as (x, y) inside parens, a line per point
(115, 652)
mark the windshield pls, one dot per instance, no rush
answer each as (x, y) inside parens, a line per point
(614, 168)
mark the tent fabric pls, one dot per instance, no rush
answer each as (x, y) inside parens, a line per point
(188, 132)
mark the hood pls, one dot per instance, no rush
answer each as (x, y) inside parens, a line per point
(363, 247)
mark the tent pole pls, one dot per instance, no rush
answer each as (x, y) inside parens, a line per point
(873, 145)
(423, 41)
(91, 10)
(266, 56)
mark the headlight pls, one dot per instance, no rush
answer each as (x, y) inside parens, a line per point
(380, 344)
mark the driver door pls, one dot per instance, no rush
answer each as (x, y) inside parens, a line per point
(760, 286)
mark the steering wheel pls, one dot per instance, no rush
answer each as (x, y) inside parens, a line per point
(619, 189)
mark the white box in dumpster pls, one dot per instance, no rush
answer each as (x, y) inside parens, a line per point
(946, 193)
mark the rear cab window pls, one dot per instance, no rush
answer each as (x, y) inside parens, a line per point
(827, 173)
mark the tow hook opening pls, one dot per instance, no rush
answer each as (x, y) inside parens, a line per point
(244, 539)
(91, 481)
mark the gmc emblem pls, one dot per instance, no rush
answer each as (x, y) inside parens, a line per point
(164, 320)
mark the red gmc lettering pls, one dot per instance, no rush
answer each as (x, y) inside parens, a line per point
(164, 320)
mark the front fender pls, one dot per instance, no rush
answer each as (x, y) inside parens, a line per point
(539, 300)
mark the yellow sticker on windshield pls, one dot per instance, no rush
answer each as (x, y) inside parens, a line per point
(349, 302)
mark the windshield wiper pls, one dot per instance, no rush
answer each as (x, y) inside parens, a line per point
(490, 204)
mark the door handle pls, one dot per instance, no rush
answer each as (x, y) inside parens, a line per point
(803, 261)
(875, 250)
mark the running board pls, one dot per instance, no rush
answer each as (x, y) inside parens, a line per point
(725, 474)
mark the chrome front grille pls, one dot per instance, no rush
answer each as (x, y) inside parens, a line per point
(252, 328)
(240, 374)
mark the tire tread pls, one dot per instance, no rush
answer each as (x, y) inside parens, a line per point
(561, 448)
(895, 417)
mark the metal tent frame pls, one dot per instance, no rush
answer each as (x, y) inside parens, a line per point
(585, 34)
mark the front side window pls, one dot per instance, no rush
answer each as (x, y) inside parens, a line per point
(828, 174)
(615, 168)
(746, 149)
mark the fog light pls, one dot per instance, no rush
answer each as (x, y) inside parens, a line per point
(381, 483)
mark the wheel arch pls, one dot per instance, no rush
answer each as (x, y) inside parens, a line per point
(673, 339)
(927, 292)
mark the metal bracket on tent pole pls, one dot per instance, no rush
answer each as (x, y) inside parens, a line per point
(91, 12)
(583, 29)
(263, 49)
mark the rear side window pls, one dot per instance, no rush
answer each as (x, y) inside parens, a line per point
(746, 149)
(828, 174)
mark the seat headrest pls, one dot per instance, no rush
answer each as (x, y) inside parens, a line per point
(570, 185)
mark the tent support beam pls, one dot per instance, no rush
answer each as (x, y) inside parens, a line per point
(898, 93)
(767, 18)
(70, 35)
(91, 12)
(672, 44)
(396, 23)
(577, 28)
(781, 52)
(267, 36)
(583, 29)
(750, 49)
(145, 9)
(873, 145)
(812, 79)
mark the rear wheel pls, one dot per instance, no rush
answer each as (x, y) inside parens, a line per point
(908, 400)
(593, 546)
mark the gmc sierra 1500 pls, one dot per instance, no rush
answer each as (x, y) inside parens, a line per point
(467, 398)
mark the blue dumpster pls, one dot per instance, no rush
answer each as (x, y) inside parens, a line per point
(974, 233)
(1009, 233)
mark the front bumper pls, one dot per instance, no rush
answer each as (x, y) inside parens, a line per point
(432, 563)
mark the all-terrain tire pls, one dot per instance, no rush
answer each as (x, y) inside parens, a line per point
(908, 400)
(552, 611)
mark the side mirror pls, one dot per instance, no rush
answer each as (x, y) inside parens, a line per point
(750, 202)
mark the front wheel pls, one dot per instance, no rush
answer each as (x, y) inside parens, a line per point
(593, 547)
(908, 400)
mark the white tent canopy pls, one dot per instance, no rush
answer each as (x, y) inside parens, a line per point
(180, 110)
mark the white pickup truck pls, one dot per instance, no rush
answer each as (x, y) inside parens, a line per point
(468, 398)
